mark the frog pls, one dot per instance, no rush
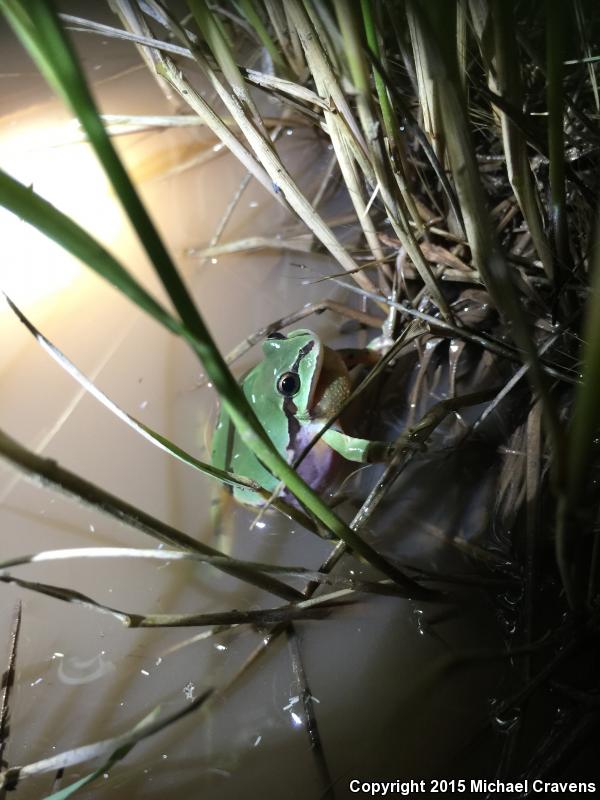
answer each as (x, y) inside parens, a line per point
(297, 387)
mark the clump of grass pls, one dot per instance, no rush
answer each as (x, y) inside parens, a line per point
(464, 136)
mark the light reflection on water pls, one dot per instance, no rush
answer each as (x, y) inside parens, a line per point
(74, 671)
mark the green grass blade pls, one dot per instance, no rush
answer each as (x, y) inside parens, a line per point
(248, 8)
(388, 112)
(508, 78)
(349, 21)
(32, 208)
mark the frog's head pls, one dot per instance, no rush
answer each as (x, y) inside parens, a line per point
(291, 369)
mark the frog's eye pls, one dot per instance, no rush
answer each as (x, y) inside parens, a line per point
(276, 335)
(288, 384)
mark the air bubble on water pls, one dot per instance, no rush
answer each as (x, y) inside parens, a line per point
(418, 614)
(507, 621)
(503, 720)
(188, 690)
(504, 724)
(512, 597)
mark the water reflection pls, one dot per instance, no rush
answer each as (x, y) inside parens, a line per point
(75, 671)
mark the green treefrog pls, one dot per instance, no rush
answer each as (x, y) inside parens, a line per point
(296, 388)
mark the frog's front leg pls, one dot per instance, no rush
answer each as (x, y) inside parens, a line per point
(365, 451)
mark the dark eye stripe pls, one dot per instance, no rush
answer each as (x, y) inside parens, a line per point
(304, 351)
(289, 407)
(288, 383)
